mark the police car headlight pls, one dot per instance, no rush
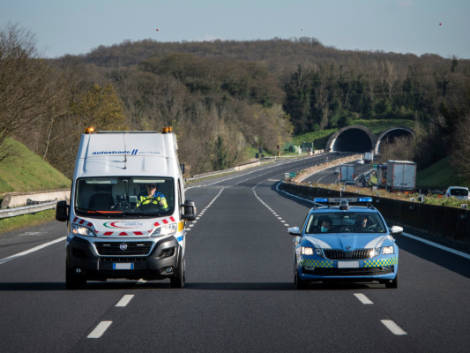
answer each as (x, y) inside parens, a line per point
(306, 251)
(165, 229)
(387, 250)
(80, 230)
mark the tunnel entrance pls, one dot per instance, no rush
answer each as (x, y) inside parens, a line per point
(352, 140)
(391, 136)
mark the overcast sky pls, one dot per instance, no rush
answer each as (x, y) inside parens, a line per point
(405, 26)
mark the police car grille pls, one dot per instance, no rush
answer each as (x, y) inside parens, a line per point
(123, 248)
(350, 271)
(336, 254)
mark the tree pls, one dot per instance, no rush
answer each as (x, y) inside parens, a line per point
(26, 91)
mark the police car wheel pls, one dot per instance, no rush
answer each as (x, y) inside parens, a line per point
(177, 281)
(393, 283)
(72, 280)
(299, 283)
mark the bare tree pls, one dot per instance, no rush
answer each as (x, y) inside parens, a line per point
(26, 90)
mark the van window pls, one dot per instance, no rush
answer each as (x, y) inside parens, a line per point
(125, 197)
(459, 192)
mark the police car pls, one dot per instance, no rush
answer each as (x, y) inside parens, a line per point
(343, 240)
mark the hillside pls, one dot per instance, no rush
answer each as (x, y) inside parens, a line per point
(23, 170)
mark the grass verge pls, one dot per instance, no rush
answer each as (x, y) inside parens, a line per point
(27, 220)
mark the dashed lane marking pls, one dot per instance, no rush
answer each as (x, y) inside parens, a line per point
(266, 205)
(363, 298)
(393, 327)
(124, 300)
(193, 223)
(100, 329)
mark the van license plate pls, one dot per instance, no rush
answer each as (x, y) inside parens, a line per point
(123, 266)
(348, 264)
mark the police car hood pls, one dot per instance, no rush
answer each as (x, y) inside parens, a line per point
(347, 241)
(123, 227)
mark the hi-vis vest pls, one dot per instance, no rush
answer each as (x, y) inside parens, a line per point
(157, 199)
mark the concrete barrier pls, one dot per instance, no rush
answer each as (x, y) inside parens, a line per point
(13, 200)
(306, 173)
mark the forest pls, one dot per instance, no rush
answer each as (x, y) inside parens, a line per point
(227, 98)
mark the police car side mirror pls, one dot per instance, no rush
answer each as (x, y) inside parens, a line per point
(295, 231)
(189, 210)
(61, 211)
(396, 230)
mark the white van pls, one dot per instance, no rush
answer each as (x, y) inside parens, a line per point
(127, 209)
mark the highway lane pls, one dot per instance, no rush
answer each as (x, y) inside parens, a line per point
(239, 295)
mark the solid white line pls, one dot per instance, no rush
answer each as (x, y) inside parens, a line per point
(100, 329)
(26, 252)
(436, 245)
(393, 327)
(124, 300)
(363, 299)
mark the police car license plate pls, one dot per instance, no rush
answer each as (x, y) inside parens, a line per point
(123, 266)
(348, 264)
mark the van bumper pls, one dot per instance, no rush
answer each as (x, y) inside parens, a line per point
(83, 258)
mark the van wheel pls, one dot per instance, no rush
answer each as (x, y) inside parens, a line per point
(72, 280)
(177, 281)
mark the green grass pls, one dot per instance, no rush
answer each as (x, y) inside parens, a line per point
(377, 126)
(23, 171)
(27, 220)
(311, 136)
(439, 175)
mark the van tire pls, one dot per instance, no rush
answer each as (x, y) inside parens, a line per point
(72, 280)
(178, 279)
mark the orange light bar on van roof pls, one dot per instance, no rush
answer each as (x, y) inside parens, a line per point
(167, 129)
(90, 130)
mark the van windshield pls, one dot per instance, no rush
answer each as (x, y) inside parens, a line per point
(124, 197)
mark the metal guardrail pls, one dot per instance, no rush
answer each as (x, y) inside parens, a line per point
(17, 211)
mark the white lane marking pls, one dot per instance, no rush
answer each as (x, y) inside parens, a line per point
(26, 252)
(26, 234)
(439, 246)
(363, 299)
(124, 300)
(393, 327)
(408, 235)
(205, 209)
(265, 204)
(100, 329)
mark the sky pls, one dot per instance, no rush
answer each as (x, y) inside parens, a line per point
(76, 27)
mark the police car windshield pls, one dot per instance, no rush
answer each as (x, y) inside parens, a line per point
(124, 197)
(345, 222)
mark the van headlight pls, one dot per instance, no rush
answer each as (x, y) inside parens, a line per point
(81, 230)
(165, 229)
(386, 250)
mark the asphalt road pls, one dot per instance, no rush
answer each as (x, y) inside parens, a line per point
(239, 295)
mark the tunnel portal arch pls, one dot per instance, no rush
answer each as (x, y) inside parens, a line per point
(390, 135)
(354, 138)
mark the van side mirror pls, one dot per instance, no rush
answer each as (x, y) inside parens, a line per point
(189, 210)
(295, 231)
(396, 230)
(61, 211)
(182, 167)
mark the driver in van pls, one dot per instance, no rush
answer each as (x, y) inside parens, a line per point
(153, 197)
